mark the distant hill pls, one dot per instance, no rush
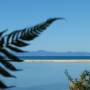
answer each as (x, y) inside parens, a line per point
(41, 54)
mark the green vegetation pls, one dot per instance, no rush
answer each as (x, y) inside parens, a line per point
(83, 83)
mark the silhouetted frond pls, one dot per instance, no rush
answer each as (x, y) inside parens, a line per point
(13, 41)
(4, 86)
(8, 65)
(19, 37)
(5, 73)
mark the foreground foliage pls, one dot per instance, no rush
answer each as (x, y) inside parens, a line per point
(83, 83)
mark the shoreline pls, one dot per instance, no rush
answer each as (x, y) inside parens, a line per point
(76, 60)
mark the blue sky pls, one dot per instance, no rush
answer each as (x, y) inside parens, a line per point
(61, 36)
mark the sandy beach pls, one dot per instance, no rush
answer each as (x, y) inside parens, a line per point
(75, 60)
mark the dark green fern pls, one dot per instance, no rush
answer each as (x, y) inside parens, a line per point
(13, 42)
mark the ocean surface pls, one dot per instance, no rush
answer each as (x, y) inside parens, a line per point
(45, 75)
(55, 57)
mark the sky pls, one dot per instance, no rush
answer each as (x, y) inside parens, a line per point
(62, 36)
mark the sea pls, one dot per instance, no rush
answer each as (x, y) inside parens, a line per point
(55, 57)
(46, 75)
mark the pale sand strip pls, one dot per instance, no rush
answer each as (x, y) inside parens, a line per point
(57, 60)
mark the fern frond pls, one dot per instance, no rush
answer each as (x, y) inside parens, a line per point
(5, 73)
(10, 55)
(4, 86)
(8, 65)
(18, 38)
(13, 41)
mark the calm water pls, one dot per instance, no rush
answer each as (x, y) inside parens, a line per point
(55, 57)
(45, 76)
